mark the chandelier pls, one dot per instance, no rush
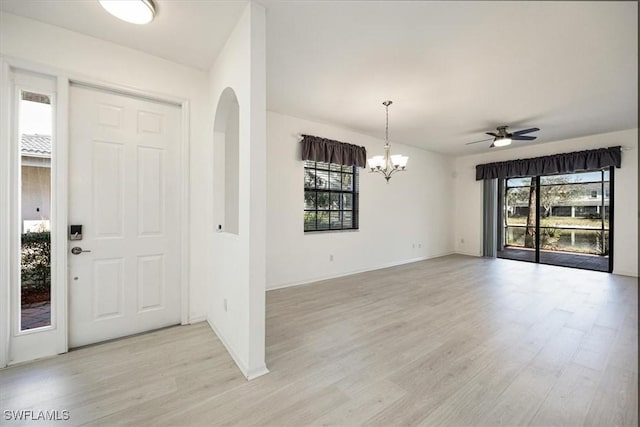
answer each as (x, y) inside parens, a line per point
(387, 164)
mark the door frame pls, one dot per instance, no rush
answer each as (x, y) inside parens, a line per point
(59, 181)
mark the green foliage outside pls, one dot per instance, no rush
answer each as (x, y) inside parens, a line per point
(327, 189)
(549, 238)
(561, 221)
(576, 241)
(557, 191)
(316, 200)
(550, 195)
(36, 261)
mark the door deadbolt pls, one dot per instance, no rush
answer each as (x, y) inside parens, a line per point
(77, 250)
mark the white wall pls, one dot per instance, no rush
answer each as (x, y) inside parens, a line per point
(468, 193)
(233, 264)
(413, 208)
(83, 56)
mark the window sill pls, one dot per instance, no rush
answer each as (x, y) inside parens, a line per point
(349, 230)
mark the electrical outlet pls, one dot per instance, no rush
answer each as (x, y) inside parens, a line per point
(226, 308)
(331, 257)
(414, 246)
(419, 245)
(462, 241)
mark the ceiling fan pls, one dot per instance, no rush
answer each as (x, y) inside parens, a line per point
(503, 137)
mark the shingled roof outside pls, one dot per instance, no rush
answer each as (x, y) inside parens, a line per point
(35, 145)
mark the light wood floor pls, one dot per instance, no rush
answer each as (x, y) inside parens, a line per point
(450, 341)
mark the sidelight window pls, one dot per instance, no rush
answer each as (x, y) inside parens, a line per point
(35, 116)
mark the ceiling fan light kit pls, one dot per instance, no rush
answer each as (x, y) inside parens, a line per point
(501, 142)
(503, 138)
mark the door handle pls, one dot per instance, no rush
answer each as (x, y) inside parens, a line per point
(77, 250)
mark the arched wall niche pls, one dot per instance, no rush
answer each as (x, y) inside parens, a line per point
(226, 163)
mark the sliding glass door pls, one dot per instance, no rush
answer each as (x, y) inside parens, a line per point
(559, 219)
(519, 213)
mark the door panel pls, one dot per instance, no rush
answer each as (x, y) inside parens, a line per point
(108, 284)
(150, 282)
(108, 189)
(124, 190)
(150, 191)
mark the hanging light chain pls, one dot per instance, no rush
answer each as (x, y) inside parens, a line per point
(386, 129)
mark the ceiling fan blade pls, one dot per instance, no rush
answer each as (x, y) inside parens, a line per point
(492, 134)
(475, 142)
(522, 132)
(523, 138)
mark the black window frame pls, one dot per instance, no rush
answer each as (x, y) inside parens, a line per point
(606, 182)
(310, 165)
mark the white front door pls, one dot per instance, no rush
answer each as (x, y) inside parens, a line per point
(124, 188)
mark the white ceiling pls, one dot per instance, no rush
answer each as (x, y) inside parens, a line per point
(453, 69)
(456, 69)
(191, 32)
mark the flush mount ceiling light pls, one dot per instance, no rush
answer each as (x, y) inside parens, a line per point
(133, 11)
(387, 164)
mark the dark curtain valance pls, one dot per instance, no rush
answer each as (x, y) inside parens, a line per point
(547, 165)
(329, 151)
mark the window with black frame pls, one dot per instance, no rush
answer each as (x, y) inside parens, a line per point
(330, 197)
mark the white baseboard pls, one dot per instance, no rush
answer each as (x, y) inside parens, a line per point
(233, 355)
(467, 253)
(257, 372)
(363, 270)
(197, 319)
(625, 273)
(249, 374)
